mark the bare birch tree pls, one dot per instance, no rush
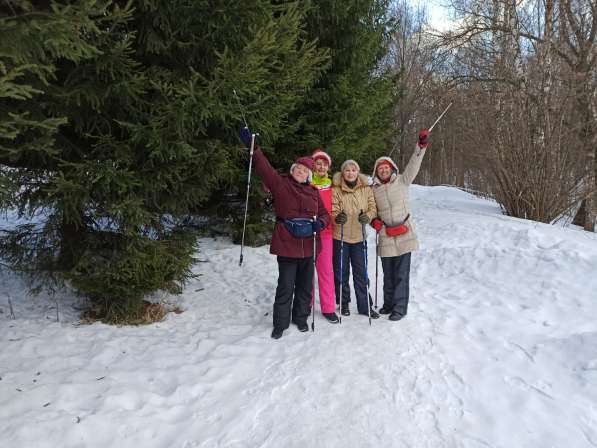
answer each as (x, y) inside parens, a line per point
(533, 65)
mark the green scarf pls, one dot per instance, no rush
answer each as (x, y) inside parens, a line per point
(321, 182)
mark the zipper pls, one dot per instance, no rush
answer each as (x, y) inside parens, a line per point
(389, 202)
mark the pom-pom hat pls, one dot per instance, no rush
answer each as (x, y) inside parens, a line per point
(319, 153)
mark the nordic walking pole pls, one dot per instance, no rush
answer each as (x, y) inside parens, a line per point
(366, 274)
(242, 243)
(434, 123)
(440, 117)
(376, 264)
(314, 270)
(341, 272)
(253, 137)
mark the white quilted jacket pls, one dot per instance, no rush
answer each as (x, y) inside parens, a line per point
(393, 206)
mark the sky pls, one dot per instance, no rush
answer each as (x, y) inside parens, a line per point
(438, 14)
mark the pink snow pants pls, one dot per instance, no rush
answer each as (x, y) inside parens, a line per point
(325, 276)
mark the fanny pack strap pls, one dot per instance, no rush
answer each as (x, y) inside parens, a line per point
(278, 219)
(400, 223)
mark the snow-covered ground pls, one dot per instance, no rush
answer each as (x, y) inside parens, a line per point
(499, 349)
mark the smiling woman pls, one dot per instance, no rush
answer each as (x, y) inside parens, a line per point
(300, 218)
(325, 271)
(300, 172)
(353, 206)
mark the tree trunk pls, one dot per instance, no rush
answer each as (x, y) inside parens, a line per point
(581, 215)
(591, 202)
(71, 239)
(589, 132)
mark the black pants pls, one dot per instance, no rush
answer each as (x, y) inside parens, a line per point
(352, 255)
(295, 278)
(396, 273)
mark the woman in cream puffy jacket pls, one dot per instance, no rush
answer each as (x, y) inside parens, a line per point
(397, 237)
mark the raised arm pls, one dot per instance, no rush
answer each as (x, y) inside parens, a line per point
(414, 164)
(263, 168)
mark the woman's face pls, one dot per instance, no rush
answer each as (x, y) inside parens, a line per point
(321, 167)
(300, 173)
(384, 172)
(350, 173)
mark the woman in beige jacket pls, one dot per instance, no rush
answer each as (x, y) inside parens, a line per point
(353, 206)
(397, 237)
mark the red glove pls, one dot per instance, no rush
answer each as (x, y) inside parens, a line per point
(377, 224)
(423, 138)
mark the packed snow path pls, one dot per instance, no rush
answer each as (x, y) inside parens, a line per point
(499, 349)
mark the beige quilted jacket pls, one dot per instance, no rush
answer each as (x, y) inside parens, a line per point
(393, 206)
(351, 201)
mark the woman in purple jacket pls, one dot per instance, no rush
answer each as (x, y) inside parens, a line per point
(296, 202)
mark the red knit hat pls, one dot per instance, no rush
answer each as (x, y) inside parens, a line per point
(385, 162)
(306, 161)
(319, 153)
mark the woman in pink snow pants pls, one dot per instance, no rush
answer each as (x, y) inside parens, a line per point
(325, 270)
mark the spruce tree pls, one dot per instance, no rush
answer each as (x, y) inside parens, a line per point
(349, 112)
(117, 119)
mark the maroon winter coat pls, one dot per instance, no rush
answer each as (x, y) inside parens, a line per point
(291, 200)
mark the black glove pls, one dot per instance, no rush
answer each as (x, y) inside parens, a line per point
(318, 226)
(341, 218)
(246, 136)
(364, 218)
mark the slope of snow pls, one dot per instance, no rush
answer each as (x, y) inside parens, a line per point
(499, 349)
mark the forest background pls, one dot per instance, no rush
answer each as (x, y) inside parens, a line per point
(119, 120)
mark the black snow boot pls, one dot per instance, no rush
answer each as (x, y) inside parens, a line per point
(276, 333)
(345, 310)
(302, 326)
(395, 316)
(331, 317)
(374, 314)
(385, 310)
